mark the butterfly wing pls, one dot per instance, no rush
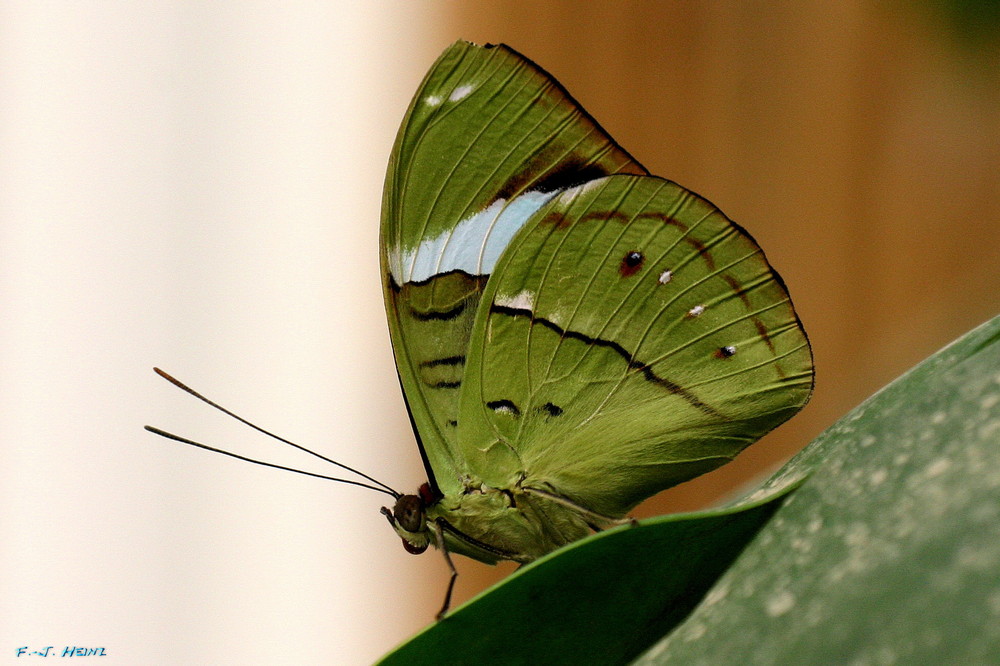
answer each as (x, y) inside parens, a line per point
(631, 337)
(489, 138)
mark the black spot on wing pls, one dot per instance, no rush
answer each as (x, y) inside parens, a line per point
(446, 384)
(548, 171)
(504, 407)
(569, 174)
(449, 360)
(417, 299)
(439, 315)
(551, 409)
(443, 373)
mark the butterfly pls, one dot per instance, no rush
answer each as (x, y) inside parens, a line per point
(572, 334)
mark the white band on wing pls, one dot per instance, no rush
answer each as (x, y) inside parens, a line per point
(473, 246)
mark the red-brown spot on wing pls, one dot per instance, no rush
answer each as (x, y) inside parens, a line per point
(557, 220)
(702, 251)
(738, 289)
(606, 215)
(762, 331)
(631, 263)
(663, 217)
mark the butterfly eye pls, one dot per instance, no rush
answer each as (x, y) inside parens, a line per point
(631, 263)
(409, 513)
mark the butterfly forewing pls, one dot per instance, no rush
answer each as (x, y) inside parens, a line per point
(630, 338)
(488, 139)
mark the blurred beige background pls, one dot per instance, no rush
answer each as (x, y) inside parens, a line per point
(197, 187)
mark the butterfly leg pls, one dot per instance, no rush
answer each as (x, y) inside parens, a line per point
(591, 517)
(439, 538)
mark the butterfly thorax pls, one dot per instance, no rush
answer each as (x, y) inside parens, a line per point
(487, 524)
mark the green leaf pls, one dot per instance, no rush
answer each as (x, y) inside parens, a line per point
(890, 553)
(604, 598)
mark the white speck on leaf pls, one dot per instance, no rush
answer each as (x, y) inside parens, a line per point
(695, 631)
(857, 535)
(993, 603)
(938, 467)
(780, 603)
(801, 545)
(716, 594)
(878, 476)
(988, 430)
(976, 558)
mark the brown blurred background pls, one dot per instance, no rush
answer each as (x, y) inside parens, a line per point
(858, 142)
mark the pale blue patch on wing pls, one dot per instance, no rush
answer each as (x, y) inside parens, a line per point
(474, 245)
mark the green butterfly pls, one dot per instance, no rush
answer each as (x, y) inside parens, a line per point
(572, 334)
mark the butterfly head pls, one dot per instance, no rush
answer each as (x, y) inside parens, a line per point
(409, 518)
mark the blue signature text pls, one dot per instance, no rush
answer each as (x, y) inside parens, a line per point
(68, 651)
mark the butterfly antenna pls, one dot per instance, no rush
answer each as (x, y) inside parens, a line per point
(381, 487)
(178, 438)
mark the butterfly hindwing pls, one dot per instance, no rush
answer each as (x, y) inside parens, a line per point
(488, 139)
(630, 338)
